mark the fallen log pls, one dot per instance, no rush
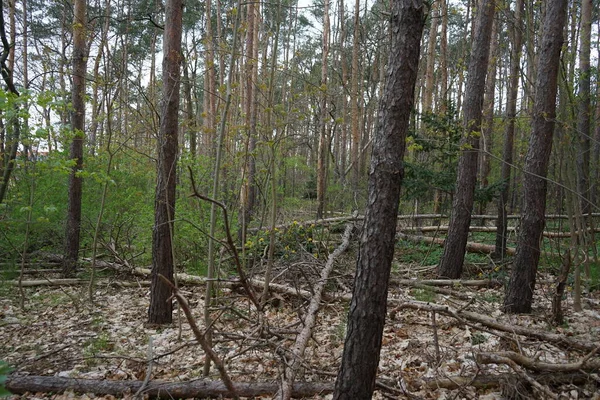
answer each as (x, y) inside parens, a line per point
(488, 283)
(586, 364)
(471, 246)
(562, 341)
(156, 389)
(492, 381)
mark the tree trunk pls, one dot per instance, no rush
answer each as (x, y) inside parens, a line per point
(73, 225)
(323, 147)
(356, 377)
(452, 260)
(519, 293)
(584, 108)
(160, 311)
(509, 133)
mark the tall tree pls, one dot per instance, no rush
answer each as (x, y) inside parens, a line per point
(323, 149)
(356, 377)
(519, 292)
(161, 308)
(73, 225)
(584, 107)
(509, 132)
(452, 260)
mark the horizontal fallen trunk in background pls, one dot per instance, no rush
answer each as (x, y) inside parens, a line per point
(559, 340)
(471, 247)
(492, 381)
(157, 389)
(444, 228)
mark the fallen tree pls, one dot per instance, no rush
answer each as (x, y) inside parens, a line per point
(156, 389)
(562, 341)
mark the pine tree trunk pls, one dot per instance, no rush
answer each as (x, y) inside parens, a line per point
(509, 133)
(73, 225)
(452, 260)
(519, 293)
(356, 377)
(160, 311)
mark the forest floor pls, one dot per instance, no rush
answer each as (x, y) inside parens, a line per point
(60, 333)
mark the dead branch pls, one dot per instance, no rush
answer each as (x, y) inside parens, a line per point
(156, 389)
(558, 340)
(200, 338)
(586, 364)
(291, 368)
(496, 358)
(492, 381)
(230, 244)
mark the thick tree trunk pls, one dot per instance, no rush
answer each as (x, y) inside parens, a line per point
(519, 293)
(356, 377)
(73, 225)
(452, 260)
(509, 133)
(160, 311)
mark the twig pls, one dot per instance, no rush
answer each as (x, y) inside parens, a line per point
(200, 338)
(230, 242)
(148, 371)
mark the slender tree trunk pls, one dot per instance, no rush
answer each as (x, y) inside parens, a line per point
(584, 108)
(73, 226)
(161, 307)
(509, 133)
(427, 97)
(356, 377)
(443, 84)
(452, 260)
(355, 100)
(519, 292)
(323, 148)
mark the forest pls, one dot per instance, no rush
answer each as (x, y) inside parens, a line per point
(388, 199)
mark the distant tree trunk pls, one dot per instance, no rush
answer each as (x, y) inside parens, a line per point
(427, 98)
(519, 292)
(73, 225)
(584, 108)
(323, 148)
(509, 133)
(487, 129)
(248, 187)
(160, 310)
(356, 377)
(443, 98)
(354, 100)
(452, 260)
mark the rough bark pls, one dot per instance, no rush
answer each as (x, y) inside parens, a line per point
(452, 260)
(509, 133)
(156, 389)
(519, 293)
(160, 310)
(73, 224)
(356, 377)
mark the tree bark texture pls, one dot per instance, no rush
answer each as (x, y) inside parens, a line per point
(356, 377)
(156, 389)
(509, 133)
(73, 223)
(160, 311)
(323, 147)
(519, 293)
(452, 260)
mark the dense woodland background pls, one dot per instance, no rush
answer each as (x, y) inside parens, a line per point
(275, 120)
